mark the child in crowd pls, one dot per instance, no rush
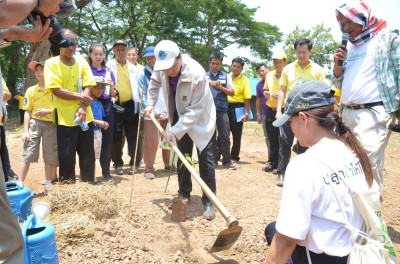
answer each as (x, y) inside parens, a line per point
(98, 114)
(38, 125)
(20, 98)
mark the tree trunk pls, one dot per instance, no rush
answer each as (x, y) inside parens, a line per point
(37, 52)
(12, 70)
(210, 40)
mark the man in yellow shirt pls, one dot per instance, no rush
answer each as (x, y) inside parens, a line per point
(303, 69)
(69, 78)
(271, 91)
(20, 98)
(241, 98)
(126, 125)
(39, 127)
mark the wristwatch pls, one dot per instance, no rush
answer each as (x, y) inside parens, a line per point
(3, 43)
(246, 114)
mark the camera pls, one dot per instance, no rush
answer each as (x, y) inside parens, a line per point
(57, 38)
(394, 127)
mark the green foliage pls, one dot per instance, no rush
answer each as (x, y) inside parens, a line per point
(200, 27)
(323, 48)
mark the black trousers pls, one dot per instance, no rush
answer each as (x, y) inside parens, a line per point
(224, 141)
(299, 255)
(2, 151)
(127, 125)
(21, 116)
(206, 166)
(236, 129)
(107, 136)
(285, 147)
(72, 140)
(273, 136)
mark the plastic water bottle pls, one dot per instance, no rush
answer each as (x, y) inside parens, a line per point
(107, 87)
(84, 126)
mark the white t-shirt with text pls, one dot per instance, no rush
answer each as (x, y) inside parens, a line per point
(309, 211)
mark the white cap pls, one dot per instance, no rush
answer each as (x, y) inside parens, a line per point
(166, 51)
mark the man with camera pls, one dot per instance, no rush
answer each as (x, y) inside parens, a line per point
(11, 13)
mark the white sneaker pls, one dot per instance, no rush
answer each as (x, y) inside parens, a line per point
(149, 175)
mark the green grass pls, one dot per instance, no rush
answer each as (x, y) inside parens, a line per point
(252, 129)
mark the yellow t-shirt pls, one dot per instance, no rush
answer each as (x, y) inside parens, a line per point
(293, 73)
(21, 101)
(272, 85)
(123, 83)
(59, 75)
(5, 88)
(37, 98)
(241, 86)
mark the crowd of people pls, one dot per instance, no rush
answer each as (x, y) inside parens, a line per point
(91, 107)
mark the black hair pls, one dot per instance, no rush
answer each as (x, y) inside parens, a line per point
(216, 56)
(302, 42)
(238, 60)
(258, 66)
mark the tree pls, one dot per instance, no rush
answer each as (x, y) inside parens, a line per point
(323, 48)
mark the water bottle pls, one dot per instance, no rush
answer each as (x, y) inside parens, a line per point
(107, 78)
(83, 125)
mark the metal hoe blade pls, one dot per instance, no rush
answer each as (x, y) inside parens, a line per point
(226, 238)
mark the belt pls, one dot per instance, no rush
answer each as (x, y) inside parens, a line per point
(362, 106)
(126, 102)
(275, 108)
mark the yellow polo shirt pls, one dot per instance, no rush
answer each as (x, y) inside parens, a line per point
(59, 75)
(5, 88)
(293, 73)
(241, 86)
(37, 98)
(272, 85)
(20, 101)
(123, 83)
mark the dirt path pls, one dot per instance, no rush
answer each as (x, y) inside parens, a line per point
(150, 236)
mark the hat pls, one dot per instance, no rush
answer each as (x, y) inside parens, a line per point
(149, 51)
(279, 56)
(120, 42)
(304, 96)
(166, 51)
(32, 65)
(100, 80)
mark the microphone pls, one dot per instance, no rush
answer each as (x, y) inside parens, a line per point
(345, 38)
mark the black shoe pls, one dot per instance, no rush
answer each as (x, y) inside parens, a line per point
(230, 166)
(11, 174)
(269, 168)
(275, 171)
(209, 211)
(280, 180)
(183, 197)
(107, 177)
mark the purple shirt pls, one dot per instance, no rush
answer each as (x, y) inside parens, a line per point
(102, 72)
(260, 94)
(173, 82)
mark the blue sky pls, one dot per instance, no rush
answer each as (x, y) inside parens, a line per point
(286, 14)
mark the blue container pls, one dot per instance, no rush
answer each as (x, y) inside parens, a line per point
(39, 242)
(20, 200)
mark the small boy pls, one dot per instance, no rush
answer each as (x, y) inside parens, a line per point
(38, 125)
(98, 114)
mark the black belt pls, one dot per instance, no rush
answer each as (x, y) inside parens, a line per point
(362, 106)
(275, 108)
(126, 102)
